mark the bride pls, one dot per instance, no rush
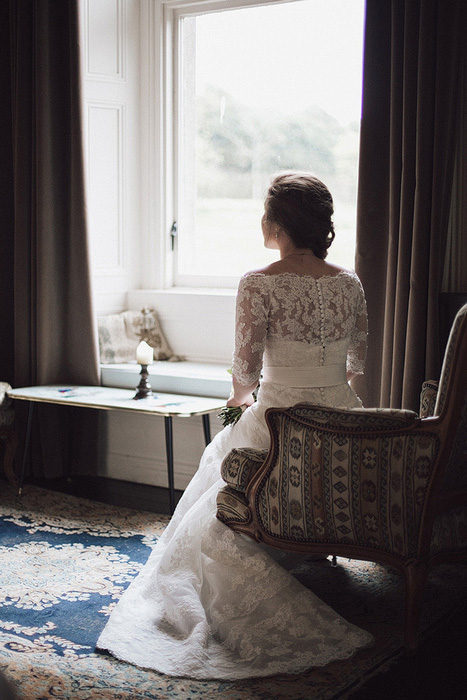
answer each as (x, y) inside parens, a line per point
(210, 603)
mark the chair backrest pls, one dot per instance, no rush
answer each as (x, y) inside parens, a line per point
(451, 402)
(451, 358)
(325, 468)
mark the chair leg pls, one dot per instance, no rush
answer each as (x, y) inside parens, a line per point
(11, 444)
(415, 579)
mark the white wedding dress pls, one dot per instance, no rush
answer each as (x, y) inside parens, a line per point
(211, 603)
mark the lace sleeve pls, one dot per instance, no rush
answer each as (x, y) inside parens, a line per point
(251, 325)
(358, 338)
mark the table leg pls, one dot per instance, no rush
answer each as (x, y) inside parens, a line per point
(26, 447)
(74, 423)
(170, 460)
(206, 428)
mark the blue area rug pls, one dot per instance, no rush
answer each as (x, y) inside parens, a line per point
(65, 561)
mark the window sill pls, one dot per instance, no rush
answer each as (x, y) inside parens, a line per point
(192, 378)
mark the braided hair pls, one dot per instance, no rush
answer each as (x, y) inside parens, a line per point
(302, 205)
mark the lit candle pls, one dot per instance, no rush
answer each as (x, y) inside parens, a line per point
(144, 353)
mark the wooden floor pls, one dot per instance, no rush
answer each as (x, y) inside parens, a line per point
(437, 672)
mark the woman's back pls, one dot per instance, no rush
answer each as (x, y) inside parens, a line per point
(296, 318)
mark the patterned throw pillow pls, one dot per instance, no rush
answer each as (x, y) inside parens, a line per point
(120, 335)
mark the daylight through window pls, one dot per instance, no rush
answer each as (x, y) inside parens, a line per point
(262, 89)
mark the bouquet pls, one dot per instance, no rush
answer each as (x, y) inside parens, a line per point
(231, 414)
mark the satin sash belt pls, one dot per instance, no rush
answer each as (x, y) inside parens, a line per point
(306, 377)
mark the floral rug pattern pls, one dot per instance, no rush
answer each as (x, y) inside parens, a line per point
(65, 561)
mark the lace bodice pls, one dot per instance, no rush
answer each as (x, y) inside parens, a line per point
(277, 312)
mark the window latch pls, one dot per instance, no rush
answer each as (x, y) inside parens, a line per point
(173, 233)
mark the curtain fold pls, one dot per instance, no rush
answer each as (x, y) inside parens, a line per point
(55, 334)
(6, 205)
(409, 131)
(55, 339)
(455, 264)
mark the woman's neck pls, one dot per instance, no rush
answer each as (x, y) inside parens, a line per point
(291, 251)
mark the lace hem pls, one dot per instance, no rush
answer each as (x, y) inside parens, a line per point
(213, 617)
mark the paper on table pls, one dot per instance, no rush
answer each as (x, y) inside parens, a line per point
(77, 392)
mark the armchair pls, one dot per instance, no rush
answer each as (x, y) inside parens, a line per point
(8, 433)
(381, 485)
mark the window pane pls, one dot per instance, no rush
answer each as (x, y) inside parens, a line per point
(265, 89)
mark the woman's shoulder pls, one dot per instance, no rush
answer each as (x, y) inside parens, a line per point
(265, 274)
(338, 271)
(253, 282)
(278, 268)
(253, 276)
(262, 272)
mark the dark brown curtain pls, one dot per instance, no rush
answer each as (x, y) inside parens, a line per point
(410, 126)
(48, 306)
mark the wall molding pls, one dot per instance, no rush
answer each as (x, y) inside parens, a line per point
(121, 71)
(119, 248)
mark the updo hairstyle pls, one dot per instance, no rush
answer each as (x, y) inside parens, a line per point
(302, 205)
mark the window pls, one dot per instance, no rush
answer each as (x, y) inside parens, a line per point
(257, 89)
(189, 107)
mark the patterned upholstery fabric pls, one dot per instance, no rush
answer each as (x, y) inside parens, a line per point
(355, 489)
(240, 464)
(232, 506)
(368, 418)
(428, 399)
(359, 501)
(120, 335)
(450, 531)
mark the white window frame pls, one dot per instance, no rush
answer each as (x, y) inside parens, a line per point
(161, 120)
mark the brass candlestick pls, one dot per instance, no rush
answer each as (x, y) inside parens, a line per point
(144, 388)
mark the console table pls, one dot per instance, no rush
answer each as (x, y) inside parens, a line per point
(111, 399)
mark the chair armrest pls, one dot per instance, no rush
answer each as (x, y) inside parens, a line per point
(428, 397)
(232, 506)
(239, 466)
(7, 412)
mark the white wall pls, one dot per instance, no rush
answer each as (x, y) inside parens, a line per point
(199, 324)
(137, 448)
(111, 91)
(120, 46)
